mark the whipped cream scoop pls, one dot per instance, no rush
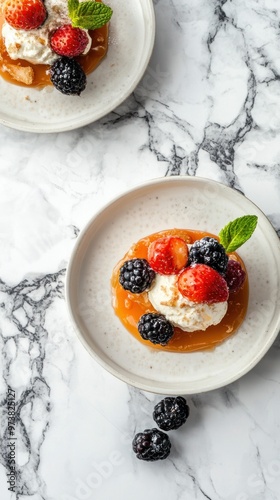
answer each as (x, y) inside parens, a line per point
(189, 316)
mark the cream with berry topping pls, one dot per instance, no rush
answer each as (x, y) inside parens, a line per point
(33, 45)
(181, 312)
(183, 295)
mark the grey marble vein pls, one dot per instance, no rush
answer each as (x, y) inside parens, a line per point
(23, 338)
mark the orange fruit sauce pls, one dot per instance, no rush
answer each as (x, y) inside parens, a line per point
(89, 61)
(130, 307)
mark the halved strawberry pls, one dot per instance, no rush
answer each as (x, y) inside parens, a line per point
(168, 255)
(201, 283)
(68, 41)
(24, 14)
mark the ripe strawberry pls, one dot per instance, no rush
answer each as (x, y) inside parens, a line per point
(24, 14)
(68, 41)
(201, 283)
(168, 255)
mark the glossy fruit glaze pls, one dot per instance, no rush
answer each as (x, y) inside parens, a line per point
(130, 307)
(89, 62)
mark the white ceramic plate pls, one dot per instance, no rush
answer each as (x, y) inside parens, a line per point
(132, 31)
(183, 202)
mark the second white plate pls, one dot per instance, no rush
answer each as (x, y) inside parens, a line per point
(131, 40)
(182, 202)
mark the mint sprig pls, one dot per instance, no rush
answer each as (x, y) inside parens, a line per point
(235, 233)
(89, 15)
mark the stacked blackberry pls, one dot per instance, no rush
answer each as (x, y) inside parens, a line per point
(210, 252)
(154, 444)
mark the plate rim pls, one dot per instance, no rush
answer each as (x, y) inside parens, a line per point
(33, 127)
(124, 375)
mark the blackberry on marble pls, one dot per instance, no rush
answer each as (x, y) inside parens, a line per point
(155, 328)
(136, 275)
(210, 252)
(171, 412)
(68, 76)
(151, 445)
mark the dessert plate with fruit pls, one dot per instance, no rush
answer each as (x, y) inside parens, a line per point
(174, 287)
(67, 63)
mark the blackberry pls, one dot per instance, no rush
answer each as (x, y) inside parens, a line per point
(171, 413)
(151, 444)
(235, 276)
(155, 328)
(68, 76)
(210, 252)
(136, 275)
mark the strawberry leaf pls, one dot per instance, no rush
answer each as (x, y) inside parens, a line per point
(235, 233)
(89, 15)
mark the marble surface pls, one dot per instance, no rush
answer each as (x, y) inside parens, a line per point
(208, 105)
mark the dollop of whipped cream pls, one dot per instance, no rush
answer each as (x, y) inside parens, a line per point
(33, 45)
(189, 316)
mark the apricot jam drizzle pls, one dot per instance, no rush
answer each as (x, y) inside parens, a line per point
(130, 307)
(89, 62)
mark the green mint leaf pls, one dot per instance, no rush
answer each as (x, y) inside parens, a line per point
(72, 7)
(235, 233)
(90, 15)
